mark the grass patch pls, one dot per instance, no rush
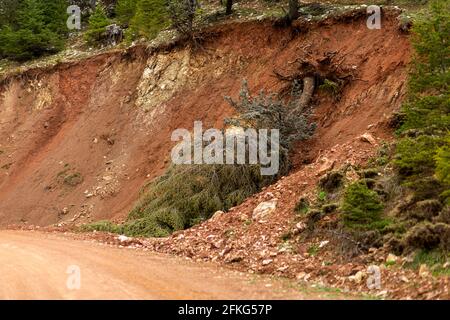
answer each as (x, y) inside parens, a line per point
(331, 88)
(73, 179)
(313, 249)
(104, 226)
(302, 206)
(434, 259)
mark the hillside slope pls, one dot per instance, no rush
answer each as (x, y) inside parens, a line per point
(80, 139)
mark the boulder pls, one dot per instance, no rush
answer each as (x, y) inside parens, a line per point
(264, 209)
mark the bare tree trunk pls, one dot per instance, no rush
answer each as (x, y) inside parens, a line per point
(305, 98)
(229, 5)
(293, 10)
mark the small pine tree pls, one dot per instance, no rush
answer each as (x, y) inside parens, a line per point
(97, 25)
(443, 162)
(55, 15)
(431, 43)
(125, 11)
(182, 14)
(362, 207)
(8, 10)
(427, 111)
(150, 18)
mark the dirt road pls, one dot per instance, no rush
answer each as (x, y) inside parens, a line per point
(35, 265)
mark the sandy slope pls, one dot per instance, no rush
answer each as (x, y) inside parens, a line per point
(34, 265)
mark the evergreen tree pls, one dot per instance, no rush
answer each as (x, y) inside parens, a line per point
(125, 11)
(8, 9)
(150, 18)
(182, 14)
(97, 25)
(29, 36)
(55, 15)
(423, 155)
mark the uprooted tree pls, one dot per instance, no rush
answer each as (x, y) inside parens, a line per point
(188, 194)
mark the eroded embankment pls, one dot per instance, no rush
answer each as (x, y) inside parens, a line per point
(78, 141)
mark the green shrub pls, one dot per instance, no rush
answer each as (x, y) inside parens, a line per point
(442, 158)
(302, 206)
(104, 226)
(160, 223)
(150, 18)
(429, 236)
(188, 194)
(182, 14)
(427, 111)
(73, 179)
(321, 196)
(362, 208)
(125, 11)
(331, 88)
(434, 259)
(98, 21)
(415, 156)
(34, 29)
(431, 35)
(331, 181)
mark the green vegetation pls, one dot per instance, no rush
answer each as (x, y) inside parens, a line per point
(442, 159)
(73, 179)
(104, 226)
(150, 18)
(97, 25)
(362, 208)
(407, 207)
(434, 259)
(322, 196)
(427, 111)
(69, 177)
(422, 154)
(313, 249)
(189, 194)
(331, 88)
(125, 11)
(33, 28)
(302, 206)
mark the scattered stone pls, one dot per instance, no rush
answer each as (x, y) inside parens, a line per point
(323, 243)
(358, 277)
(404, 279)
(326, 165)
(367, 137)
(266, 262)
(216, 215)
(301, 275)
(423, 271)
(123, 238)
(264, 209)
(391, 258)
(299, 228)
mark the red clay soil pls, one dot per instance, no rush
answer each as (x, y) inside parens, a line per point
(80, 119)
(91, 125)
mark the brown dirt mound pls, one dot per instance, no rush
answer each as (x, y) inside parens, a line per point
(79, 140)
